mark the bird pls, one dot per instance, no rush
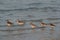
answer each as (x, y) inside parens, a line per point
(20, 22)
(32, 25)
(9, 23)
(43, 24)
(52, 25)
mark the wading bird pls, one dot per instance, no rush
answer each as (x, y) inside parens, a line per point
(20, 22)
(43, 24)
(32, 25)
(9, 23)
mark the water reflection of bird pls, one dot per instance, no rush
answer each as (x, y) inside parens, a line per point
(32, 25)
(52, 32)
(43, 29)
(20, 22)
(33, 30)
(9, 23)
(43, 24)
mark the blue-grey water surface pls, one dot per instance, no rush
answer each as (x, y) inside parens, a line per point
(47, 10)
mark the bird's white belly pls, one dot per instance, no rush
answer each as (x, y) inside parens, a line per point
(33, 26)
(20, 23)
(8, 24)
(43, 25)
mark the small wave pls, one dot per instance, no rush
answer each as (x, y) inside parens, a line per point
(53, 18)
(50, 7)
(53, 9)
(22, 29)
(53, 1)
(34, 4)
(14, 34)
(30, 8)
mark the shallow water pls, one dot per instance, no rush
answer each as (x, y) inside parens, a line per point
(47, 11)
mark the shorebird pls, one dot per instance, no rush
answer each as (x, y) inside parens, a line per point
(32, 25)
(20, 22)
(43, 24)
(52, 25)
(9, 23)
